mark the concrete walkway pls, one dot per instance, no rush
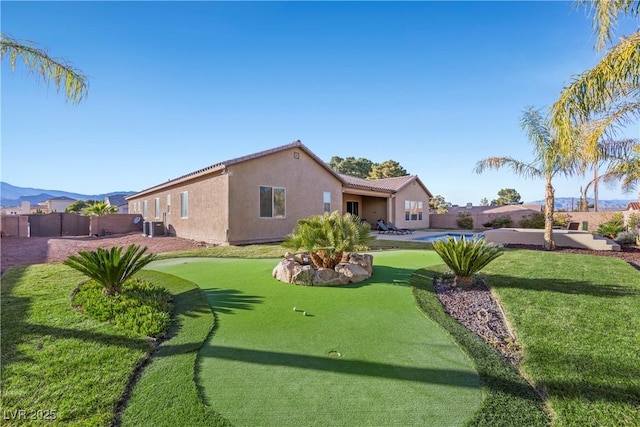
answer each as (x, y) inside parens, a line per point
(413, 236)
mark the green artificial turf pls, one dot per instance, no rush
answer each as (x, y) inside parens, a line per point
(266, 364)
(578, 319)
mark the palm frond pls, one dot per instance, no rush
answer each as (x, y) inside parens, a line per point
(525, 170)
(605, 16)
(38, 61)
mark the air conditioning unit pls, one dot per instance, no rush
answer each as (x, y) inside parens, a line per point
(146, 226)
(156, 228)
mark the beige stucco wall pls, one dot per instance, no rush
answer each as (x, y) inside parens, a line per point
(304, 181)
(413, 192)
(207, 218)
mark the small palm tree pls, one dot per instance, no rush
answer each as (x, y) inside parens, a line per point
(99, 209)
(111, 268)
(328, 236)
(466, 257)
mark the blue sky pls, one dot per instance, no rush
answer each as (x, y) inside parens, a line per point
(177, 86)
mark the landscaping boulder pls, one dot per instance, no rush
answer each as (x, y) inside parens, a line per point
(353, 273)
(297, 269)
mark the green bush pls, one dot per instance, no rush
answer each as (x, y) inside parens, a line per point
(627, 237)
(110, 268)
(535, 220)
(140, 306)
(612, 227)
(561, 219)
(466, 257)
(633, 222)
(499, 222)
(465, 220)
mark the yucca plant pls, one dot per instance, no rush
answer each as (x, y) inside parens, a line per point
(466, 257)
(328, 236)
(111, 268)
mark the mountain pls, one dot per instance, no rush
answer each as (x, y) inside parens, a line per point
(12, 195)
(566, 203)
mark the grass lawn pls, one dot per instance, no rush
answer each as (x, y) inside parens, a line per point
(267, 364)
(578, 317)
(58, 366)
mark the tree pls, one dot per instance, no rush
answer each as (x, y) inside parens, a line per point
(627, 171)
(548, 163)
(328, 236)
(610, 90)
(439, 204)
(507, 196)
(387, 169)
(484, 202)
(99, 209)
(38, 61)
(79, 205)
(351, 166)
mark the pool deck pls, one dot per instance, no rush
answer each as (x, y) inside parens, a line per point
(417, 234)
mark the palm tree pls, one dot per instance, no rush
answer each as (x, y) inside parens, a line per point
(99, 209)
(38, 61)
(549, 162)
(626, 171)
(328, 236)
(612, 87)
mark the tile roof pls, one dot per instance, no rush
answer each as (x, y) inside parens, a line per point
(385, 184)
(635, 206)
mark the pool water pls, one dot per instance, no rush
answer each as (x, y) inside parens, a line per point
(457, 236)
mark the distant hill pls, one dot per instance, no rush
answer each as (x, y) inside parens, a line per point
(566, 203)
(12, 195)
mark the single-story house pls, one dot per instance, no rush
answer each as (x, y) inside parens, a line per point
(57, 204)
(260, 197)
(119, 201)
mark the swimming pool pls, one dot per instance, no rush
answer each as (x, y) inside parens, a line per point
(443, 236)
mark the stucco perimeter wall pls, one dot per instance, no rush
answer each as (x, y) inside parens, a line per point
(15, 225)
(114, 224)
(208, 204)
(304, 181)
(413, 192)
(562, 238)
(593, 219)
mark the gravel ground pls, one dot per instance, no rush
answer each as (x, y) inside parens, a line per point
(36, 250)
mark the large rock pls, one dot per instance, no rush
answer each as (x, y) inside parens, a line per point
(352, 272)
(363, 260)
(303, 275)
(284, 271)
(327, 277)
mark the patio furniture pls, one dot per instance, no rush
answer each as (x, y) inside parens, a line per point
(395, 229)
(382, 228)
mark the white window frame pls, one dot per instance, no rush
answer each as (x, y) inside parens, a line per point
(184, 204)
(413, 208)
(168, 204)
(273, 202)
(326, 202)
(144, 208)
(156, 207)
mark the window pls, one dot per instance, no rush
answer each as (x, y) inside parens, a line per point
(352, 208)
(184, 204)
(272, 202)
(144, 208)
(168, 203)
(156, 208)
(326, 200)
(412, 210)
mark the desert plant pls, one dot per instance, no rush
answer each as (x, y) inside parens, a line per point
(110, 268)
(328, 236)
(465, 220)
(561, 219)
(612, 227)
(633, 222)
(627, 237)
(535, 220)
(98, 209)
(466, 257)
(499, 222)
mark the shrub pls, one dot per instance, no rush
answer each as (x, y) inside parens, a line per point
(140, 306)
(535, 220)
(612, 227)
(465, 220)
(627, 237)
(633, 222)
(328, 236)
(466, 257)
(561, 219)
(110, 268)
(500, 222)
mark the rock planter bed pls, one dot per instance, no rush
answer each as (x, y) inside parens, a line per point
(298, 269)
